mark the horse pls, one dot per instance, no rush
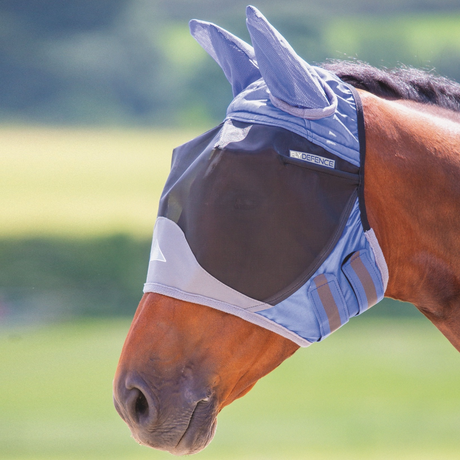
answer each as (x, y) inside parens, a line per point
(183, 361)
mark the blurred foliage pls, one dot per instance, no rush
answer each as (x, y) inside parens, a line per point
(134, 62)
(49, 279)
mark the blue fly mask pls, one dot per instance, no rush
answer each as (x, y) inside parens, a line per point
(263, 217)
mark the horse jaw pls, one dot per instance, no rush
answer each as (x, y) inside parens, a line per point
(181, 364)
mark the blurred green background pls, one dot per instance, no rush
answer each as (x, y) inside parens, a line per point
(94, 94)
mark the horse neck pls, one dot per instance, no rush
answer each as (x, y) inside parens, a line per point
(412, 193)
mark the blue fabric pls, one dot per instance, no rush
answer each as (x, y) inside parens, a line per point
(272, 68)
(283, 70)
(337, 133)
(235, 57)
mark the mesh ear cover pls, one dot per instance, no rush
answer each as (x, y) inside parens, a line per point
(256, 219)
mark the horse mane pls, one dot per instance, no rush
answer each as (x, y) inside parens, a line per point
(400, 83)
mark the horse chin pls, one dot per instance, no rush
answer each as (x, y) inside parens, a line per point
(183, 439)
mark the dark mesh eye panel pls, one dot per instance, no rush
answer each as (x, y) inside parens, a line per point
(256, 219)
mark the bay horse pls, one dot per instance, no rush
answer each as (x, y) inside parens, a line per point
(183, 361)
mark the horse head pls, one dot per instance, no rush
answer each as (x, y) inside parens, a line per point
(261, 243)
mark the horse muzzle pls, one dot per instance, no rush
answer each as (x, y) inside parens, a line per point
(181, 421)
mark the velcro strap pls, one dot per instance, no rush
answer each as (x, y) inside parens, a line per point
(364, 279)
(329, 303)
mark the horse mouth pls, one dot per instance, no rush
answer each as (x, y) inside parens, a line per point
(199, 431)
(189, 436)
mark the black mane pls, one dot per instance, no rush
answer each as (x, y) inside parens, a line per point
(401, 83)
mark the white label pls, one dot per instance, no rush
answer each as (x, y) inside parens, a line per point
(310, 158)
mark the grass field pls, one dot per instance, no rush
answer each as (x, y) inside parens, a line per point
(80, 182)
(377, 390)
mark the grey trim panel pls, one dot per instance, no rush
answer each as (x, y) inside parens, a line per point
(379, 257)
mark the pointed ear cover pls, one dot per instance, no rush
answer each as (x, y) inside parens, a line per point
(235, 57)
(294, 85)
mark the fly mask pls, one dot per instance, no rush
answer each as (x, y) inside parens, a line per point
(263, 217)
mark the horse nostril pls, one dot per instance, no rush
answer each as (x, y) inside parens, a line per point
(141, 406)
(134, 401)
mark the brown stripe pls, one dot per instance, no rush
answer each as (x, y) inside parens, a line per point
(327, 299)
(365, 277)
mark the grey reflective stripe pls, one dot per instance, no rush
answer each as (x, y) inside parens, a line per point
(327, 299)
(365, 277)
